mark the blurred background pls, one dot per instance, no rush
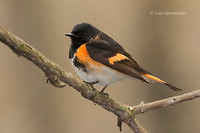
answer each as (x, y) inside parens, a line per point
(165, 44)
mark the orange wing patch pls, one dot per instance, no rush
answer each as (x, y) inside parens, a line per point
(84, 57)
(117, 57)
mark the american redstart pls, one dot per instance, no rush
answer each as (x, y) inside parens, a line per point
(100, 60)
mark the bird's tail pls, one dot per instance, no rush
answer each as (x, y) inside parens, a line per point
(150, 78)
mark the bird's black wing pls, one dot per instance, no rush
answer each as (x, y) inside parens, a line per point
(115, 57)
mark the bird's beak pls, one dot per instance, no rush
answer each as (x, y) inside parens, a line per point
(69, 34)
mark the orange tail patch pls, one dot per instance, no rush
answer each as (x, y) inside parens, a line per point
(151, 78)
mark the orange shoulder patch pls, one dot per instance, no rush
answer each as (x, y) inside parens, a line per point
(82, 51)
(84, 57)
(117, 57)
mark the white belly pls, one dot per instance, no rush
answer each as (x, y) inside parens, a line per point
(104, 75)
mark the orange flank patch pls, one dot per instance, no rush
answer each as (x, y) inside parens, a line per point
(117, 57)
(153, 78)
(84, 57)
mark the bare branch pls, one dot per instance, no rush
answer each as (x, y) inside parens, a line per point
(136, 127)
(142, 108)
(58, 77)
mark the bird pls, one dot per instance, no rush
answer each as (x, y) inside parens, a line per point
(100, 60)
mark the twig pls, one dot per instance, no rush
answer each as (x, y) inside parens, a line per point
(142, 108)
(58, 77)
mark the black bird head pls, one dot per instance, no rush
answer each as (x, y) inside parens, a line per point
(82, 33)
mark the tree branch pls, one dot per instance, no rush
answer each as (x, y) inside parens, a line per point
(58, 77)
(142, 108)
